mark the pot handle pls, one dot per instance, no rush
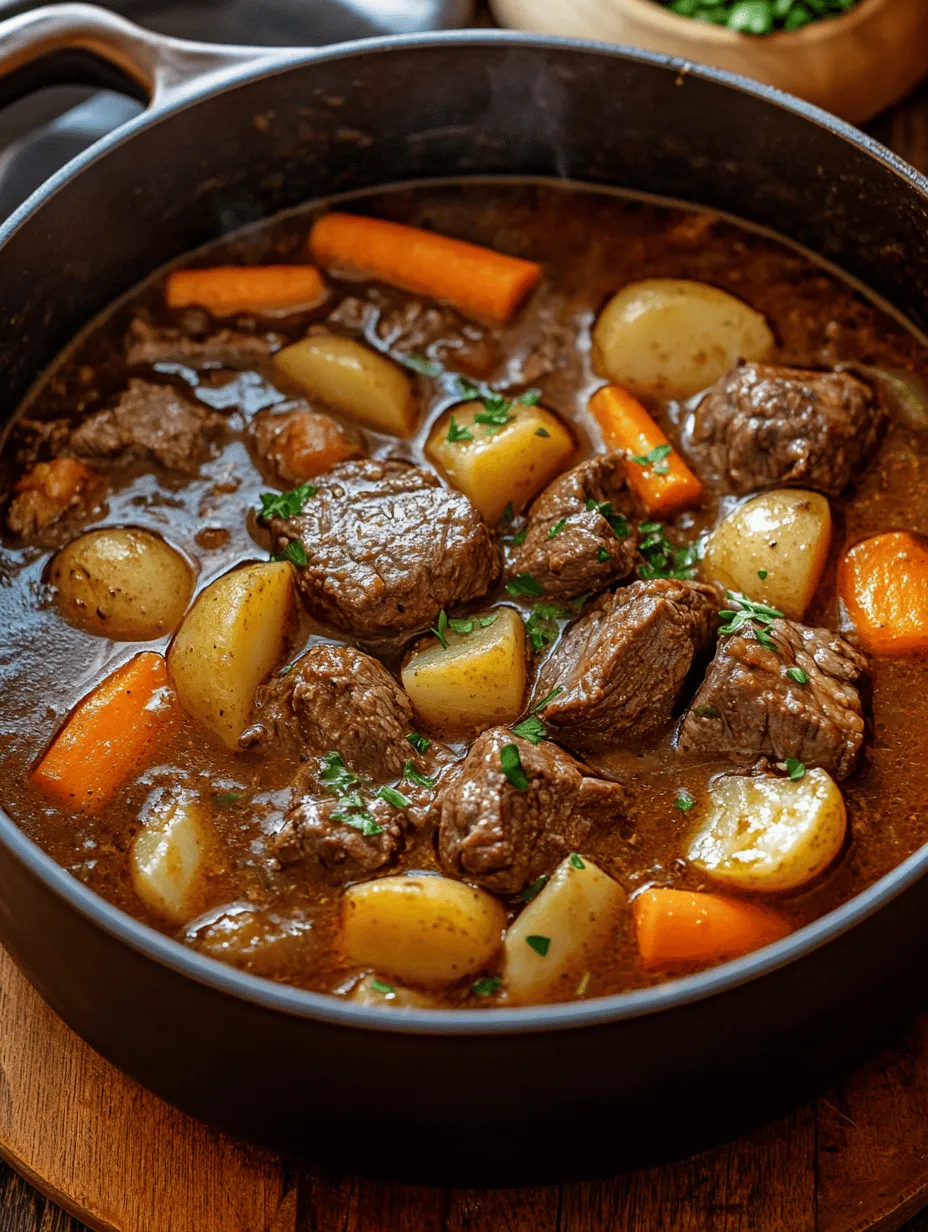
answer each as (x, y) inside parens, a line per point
(79, 44)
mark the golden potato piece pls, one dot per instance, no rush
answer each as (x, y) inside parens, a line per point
(167, 857)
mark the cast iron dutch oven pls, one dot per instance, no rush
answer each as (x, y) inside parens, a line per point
(232, 136)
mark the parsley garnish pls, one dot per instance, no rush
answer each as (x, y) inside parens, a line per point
(707, 712)
(359, 820)
(654, 459)
(487, 986)
(422, 365)
(412, 775)
(336, 775)
(539, 944)
(576, 861)
(486, 621)
(467, 388)
(511, 765)
(286, 504)
(519, 536)
(744, 613)
(557, 528)
(684, 801)
(617, 521)
(763, 574)
(508, 513)
(420, 743)
(531, 397)
(794, 768)
(542, 432)
(797, 674)
(225, 798)
(439, 629)
(542, 628)
(555, 692)
(376, 985)
(532, 891)
(457, 433)
(531, 729)
(495, 411)
(340, 780)
(662, 558)
(524, 584)
(394, 797)
(294, 552)
(602, 555)
(462, 626)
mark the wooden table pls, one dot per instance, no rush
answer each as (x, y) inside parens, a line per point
(814, 1172)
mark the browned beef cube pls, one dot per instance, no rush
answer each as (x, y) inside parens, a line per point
(293, 443)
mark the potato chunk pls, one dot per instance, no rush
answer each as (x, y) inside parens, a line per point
(421, 929)
(497, 465)
(772, 549)
(122, 583)
(232, 637)
(167, 856)
(672, 338)
(561, 933)
(355, 379)
(377, 992)
(767, 834)
(478, 681)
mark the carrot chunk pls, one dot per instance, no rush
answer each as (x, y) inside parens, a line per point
(479, 282)
(108, 735)
(656, 472)
(884, 584)
(680, 928)
(229, 289)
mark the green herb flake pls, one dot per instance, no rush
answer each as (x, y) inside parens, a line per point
(336, 776)
(663, 559)
(542, 627)
(542, 432)
(412, 775)
(654, 459)
(457, 433)
(422, 365)
(707, 712)
(394, 797)
(508, 513)
(462, 626)
(602, 555)
(226, 798)
(524, 584)
(495, 412)
(576, 861)
(797, 674)
(486, 621)
(285, 504)
(362, 821)
(467, 389)
(531, 729)
(487, 985)
(511, 765)
(794, 768)
(519, 537)
(420, 743)
(531, 892)
(440, 629)
(376, 985)
(557, 527)
(555, 692)
(531, 397)
(540, 945)
(684, 801)
(294, 552)
(763, 574)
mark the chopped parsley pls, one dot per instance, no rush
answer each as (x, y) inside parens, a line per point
(294, 552)
(359, 820)
(531, 397)
(743, 613)
(794, 768)
(555, 692)
(336, 775)
(797, 674)
(286, 504)
(524, 584)
(602, 555)
(617, 521)
(531, 729)
(557, 527)
(519, 537)
(532, 891)
(539, 944)
(486, 621)
(576, 861)
(422, 365)
(440, 629)
(542, 432)
(511, 765)
(684, 801)
(225, 798)
(412, 775)
(342, 782)
(376, 985)
(457, 433)
(707, 712)
(542, 628)
(763, 574)
(495, 413)
(664, 559)
(462, 626)
(420, 743)
(508, 513)
(394, 797)
(655, 459)
(487, 985)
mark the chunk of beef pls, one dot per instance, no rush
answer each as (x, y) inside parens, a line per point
(763, 425)
(146, 345)
(336, 699)
(387, 547)
(293, 443)
(503, 838)
(412, 326)
(579, 538)
(51, 493)
(150, 422)
(749, 706)
(621, 666)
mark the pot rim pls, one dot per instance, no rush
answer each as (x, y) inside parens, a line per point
(515, 1020)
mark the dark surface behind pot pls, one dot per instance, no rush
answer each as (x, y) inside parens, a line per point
(441, 1106)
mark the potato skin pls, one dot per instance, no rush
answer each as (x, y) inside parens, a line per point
(671, 337)
(122, 583)
(784, 534)
(421, 929)
(768, 834)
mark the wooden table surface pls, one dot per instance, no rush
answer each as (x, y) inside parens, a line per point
(328, 1206)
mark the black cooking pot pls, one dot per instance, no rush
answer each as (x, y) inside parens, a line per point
(231, 137)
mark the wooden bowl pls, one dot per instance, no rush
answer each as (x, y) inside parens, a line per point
(853, 65)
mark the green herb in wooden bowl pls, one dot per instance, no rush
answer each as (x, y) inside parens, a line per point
(760, 16)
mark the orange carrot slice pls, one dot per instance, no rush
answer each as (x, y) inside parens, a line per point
(884, 584)
(481, 283)
(680, 928)
(229, 289)
(656, 472)
(108, 736)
